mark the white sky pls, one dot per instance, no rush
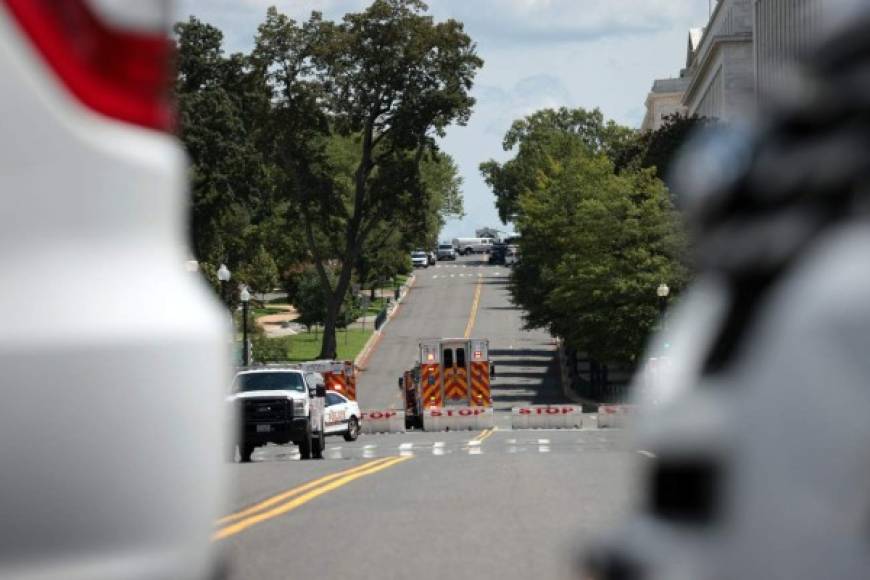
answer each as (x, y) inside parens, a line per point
(537, 53)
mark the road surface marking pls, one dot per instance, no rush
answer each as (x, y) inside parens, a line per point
(242, 525)
(453, 275)
(294, 492)
(435, 277)
(475, 305)
(482, 435)
(438, 444)
(648, 454)
(406, 449)
(543, 441)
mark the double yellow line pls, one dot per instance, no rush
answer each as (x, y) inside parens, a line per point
(475, 306)
(293, 498)
(484, 435)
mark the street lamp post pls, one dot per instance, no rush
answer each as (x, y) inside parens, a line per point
(223, 275)
(245, 297)
(663, 292)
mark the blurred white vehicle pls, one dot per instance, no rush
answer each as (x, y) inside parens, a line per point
(420, 259)
(112, 401)
(342, 416)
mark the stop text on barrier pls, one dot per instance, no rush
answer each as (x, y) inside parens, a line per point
(546, 410)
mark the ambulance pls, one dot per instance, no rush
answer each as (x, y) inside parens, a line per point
(450, 386)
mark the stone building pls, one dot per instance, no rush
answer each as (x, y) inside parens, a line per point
(785, 31)
(665, 99)
(721, 65)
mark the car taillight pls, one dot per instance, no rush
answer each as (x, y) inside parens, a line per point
(115, 71)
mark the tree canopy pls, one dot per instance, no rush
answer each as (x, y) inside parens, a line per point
(356, 106)
(596, 240)
(320, 144)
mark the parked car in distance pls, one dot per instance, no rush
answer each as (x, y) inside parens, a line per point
(446, 252)
(419, 259)
(497, 254)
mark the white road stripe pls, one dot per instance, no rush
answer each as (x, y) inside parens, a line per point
(543, 441)
(648, 454)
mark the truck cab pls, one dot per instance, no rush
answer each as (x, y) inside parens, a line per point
(279, 405)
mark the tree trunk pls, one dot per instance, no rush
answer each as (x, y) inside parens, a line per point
(355, 237)
(329, 346)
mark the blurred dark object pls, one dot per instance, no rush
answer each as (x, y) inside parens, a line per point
(758, 445)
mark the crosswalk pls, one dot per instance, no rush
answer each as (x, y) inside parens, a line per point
(471, 447)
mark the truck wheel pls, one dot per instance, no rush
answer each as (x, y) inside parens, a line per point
(305, 446)
(246, 450)
(352, 430)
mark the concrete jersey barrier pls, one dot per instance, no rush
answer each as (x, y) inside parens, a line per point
(547, 417)
(615, 416)
(458, 419)
(383, 421)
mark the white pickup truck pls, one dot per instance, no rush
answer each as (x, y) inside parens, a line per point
(280, 405)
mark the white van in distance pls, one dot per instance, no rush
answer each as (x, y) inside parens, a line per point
(465, 246)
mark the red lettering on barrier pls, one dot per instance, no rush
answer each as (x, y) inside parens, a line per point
(464, 412)
(378, 415)
(546, 410)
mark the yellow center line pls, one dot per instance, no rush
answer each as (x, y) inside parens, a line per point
(484, 435)
(475, 305)
(295, 491)
(244, 524)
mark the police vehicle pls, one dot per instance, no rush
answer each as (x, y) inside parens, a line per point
(342, 416)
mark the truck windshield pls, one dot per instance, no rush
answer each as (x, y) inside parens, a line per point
(269, 382)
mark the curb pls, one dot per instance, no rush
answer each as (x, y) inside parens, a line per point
(362, 359)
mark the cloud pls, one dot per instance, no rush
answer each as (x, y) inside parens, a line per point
(493, 22)
(497, 107)
(563, 21)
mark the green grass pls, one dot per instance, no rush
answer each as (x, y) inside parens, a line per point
(306, 346)
(376, 306)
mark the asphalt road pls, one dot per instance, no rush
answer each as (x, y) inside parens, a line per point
(495, 504)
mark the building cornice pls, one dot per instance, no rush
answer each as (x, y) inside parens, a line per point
(699, 68)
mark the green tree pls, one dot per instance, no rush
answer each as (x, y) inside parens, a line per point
(223, 106)
(310, 301)
(660, 148)
(536, 136)
(261, 274)
(595, 241)
(389, 78)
